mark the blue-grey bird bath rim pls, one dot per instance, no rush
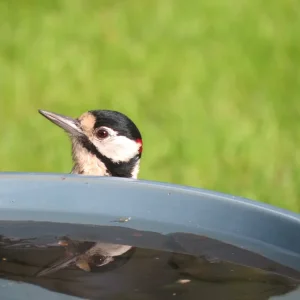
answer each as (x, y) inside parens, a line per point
(146, 206)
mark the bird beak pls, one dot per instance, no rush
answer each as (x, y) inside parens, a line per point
(60, 264)
(70, 125)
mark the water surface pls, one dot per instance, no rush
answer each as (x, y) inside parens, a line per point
(175, 266)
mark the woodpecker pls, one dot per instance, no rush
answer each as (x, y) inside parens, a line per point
(104, 143)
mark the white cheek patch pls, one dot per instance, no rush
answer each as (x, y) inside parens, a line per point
(118, 148)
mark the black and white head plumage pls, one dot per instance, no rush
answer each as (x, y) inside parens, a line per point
(104, 142)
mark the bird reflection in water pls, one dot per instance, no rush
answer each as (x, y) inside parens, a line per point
(86, 256)
(143, 273)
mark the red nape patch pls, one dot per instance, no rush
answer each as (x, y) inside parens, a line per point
(140, 142)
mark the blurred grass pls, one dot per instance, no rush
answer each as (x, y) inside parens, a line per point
(213, 86)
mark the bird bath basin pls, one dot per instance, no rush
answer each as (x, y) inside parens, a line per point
(188, 243)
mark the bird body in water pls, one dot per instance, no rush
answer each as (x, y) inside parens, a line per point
(104, 143)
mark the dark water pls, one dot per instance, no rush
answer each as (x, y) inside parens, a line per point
(175, 266)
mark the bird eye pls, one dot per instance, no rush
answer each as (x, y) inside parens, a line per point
(102, 133)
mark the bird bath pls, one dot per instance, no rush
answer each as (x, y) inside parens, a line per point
(186, 241)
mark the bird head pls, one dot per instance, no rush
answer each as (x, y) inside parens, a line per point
(104, 142)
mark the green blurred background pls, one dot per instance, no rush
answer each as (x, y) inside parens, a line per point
(214, 87)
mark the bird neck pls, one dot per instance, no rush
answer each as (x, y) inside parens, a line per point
(87, 162)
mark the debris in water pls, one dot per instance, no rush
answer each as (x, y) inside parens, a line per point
(122, 220)
(183, 281)
(63, 243)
